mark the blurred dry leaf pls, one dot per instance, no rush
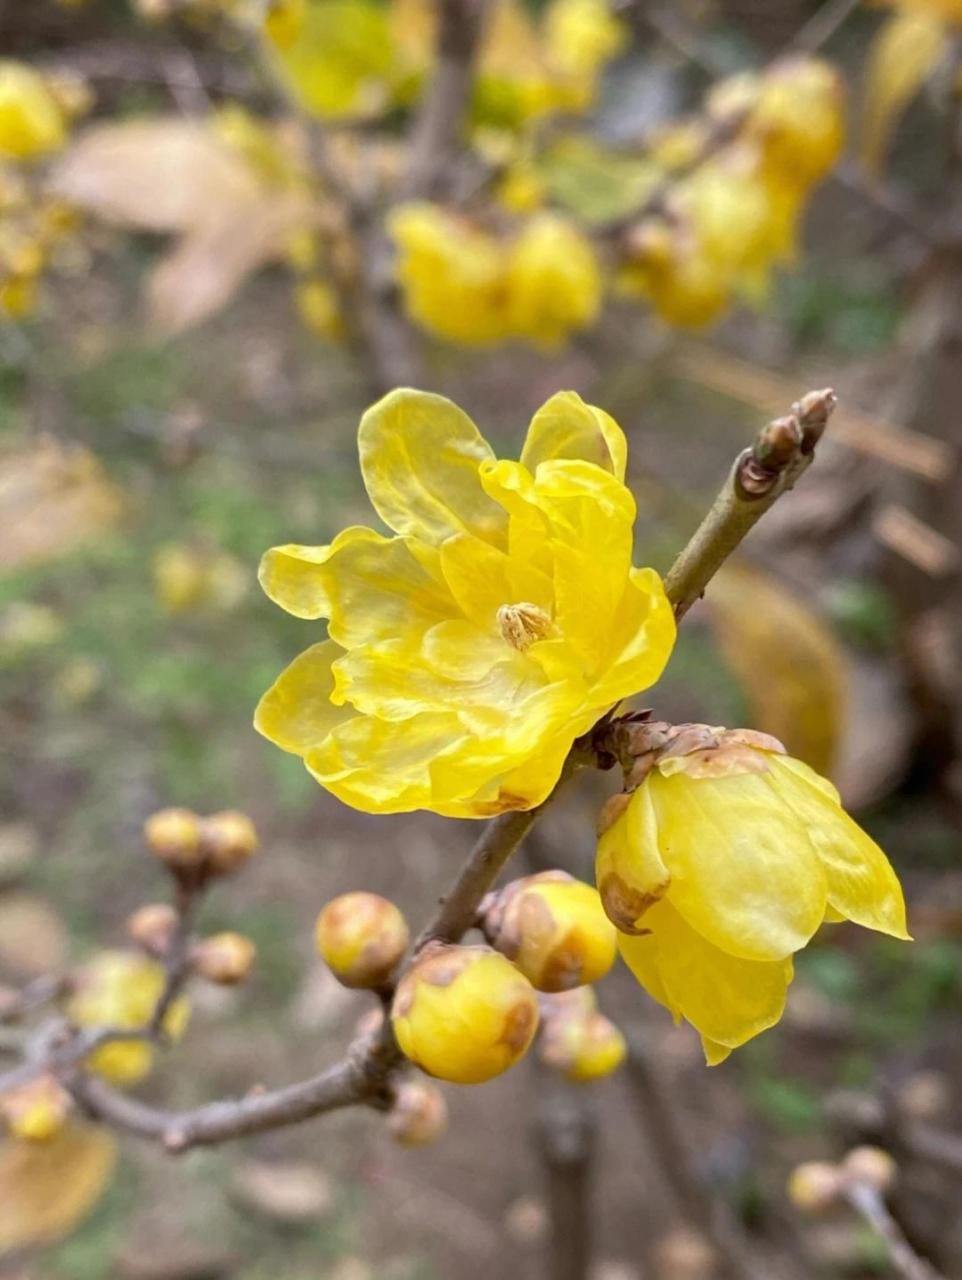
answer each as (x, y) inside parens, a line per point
(902, 56)
(33, 940)
(156, 175)
(46, 1188)
(181, 176)
(52, 497)
(786, 659)
(19, 843)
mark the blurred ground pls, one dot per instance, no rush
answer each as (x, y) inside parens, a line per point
(242, 436)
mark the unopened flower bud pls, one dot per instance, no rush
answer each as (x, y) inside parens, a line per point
(872, 1166)
(173, 835)
(554, 929)
(361, 937)
(227, 840)
(153, 927)
(36, 1111)
(578, 1040)
(464, 1014)
(224, 958)
(419, 1115)
(815, 1185)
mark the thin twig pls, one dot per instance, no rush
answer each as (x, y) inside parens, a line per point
(781, 453)
(437, 127)
(868, 1203)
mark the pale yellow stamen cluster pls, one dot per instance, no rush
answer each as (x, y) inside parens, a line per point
(523, 623)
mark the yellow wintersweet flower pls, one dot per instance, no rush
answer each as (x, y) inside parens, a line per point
(452, 275)
(722, 864)
(467, 652)
(581, 36)
(553, 282)
(121, 989)
(32, 122)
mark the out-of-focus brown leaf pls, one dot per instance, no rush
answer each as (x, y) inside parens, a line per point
(33, 940)
(210, 263)
(47, 1188)
(157, 175)
(181, 176)
(786, 659)
(52, 498)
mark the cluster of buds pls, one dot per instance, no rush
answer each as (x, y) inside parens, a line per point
(194, 848)
(819, 1184)
(37, 1111)
(737, 181)
(577, 1039)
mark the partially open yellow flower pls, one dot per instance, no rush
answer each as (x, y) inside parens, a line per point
(32, 122)
(464, 1014)
(721, 865)
(466, 653)
(121, 989)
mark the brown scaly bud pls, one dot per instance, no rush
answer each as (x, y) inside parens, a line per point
(224, 958)
(777, 443)
(173, 836)
(813, 412)
(553, 928)
(36, 1111)
(419, 1115)
(153, 927)
(361, 937)
(227, 841)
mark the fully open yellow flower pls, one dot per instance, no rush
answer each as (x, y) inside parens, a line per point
(721, 865)
(467, 652)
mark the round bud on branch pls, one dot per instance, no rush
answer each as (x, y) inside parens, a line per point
(153, 927)
(224, 958)
(361, 937)
(464, 1014)
(419, 1115)
(553, 928)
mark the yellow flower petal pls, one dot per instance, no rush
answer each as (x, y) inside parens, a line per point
(640, 640)
(391, 680)
(381, 766)
(566, 427)
(862, 885)
(420, 456)
(727, 999)
(629, 869)
(296, 713)
(590, 516)
(368, 585)
(744, 873)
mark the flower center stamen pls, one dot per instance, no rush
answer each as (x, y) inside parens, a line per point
(523, 623)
